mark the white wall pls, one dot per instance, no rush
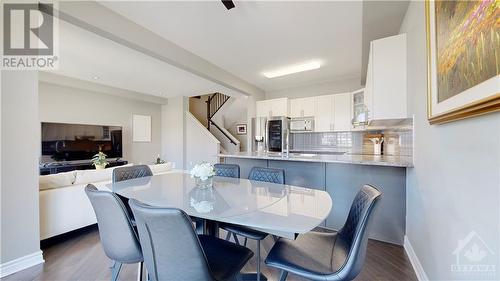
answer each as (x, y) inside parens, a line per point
(455, 186)
(173, 130)
(201, 145)
(318, 89)
(20, 146)
(72, 105)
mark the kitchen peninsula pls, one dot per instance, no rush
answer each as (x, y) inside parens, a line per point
(342, 175)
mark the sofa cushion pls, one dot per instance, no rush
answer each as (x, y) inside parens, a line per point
(160, 168)
(57, 180)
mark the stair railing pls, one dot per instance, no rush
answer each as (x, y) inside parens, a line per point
(214, 104)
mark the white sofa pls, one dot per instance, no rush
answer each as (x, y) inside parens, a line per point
(64, 205)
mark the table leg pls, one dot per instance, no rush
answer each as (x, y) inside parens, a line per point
(211, 228)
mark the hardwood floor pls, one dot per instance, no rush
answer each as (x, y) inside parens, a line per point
(80, 257)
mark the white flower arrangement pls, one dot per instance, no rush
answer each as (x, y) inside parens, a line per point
(203, 171)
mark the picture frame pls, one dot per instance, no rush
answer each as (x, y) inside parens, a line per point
(241, 129)
(466, 98)
(141, 128)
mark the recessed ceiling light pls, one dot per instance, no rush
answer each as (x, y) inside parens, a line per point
(95, 77)
(292, 69)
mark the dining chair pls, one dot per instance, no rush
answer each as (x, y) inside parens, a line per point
(118, 237)
(131, 172)
(331, 256)
(227, 170)
(173, 251)
(128, 173)
(272, 175)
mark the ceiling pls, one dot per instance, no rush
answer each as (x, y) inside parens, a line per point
(259, 36)
(84, 55)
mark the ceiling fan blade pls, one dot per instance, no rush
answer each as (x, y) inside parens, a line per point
(228, 3)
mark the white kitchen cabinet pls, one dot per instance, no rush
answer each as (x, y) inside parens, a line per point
(273, 107)
(323, 119)
(333, 113)
(342, 112)
(385, 91)
(302, 107)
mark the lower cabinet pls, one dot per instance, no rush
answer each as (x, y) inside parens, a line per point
(342, 182)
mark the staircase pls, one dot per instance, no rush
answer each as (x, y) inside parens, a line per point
(214, 104)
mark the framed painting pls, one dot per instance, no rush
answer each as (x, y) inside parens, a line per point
(241, 129)
(463, 53)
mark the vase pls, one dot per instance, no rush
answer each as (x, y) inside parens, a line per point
(202, 184)
(100, 167)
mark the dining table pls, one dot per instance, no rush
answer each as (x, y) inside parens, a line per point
(278, 209)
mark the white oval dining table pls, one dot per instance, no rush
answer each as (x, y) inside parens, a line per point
(278, 209)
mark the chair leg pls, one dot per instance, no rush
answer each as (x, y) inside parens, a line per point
(236, 239)
(112, 264)
(258, 260)
(116, 271)
(228, 236)
(245, 242)
(140, 271)
(283, 275)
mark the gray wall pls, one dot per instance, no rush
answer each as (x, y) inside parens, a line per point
(454, 187)
(19, 165)
(73, 105)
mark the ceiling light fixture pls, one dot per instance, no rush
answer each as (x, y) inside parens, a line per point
(96, 77)
(292, 69)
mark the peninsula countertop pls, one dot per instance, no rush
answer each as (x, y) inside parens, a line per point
(374, 160)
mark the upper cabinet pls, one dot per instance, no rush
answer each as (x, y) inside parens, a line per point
(333, 113)
(385, 91)
(303, 107)
(274, 107)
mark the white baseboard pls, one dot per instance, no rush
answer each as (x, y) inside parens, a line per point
(415, 262)
(21, 263)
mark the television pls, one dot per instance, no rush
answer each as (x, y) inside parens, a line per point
(70, 142)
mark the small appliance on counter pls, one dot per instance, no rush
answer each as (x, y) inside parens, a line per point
(278, 134)
(259, 134)
(302, 124)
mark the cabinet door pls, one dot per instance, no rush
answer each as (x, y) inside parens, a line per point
(389, 78)
(308, 107)
(342, 112)
(323, 121)
(263, 108)
(279, 107)
(295, 108)
(368, 94)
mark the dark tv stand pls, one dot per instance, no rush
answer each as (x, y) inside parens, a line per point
(55, 168)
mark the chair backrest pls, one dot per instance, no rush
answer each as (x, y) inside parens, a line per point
(118, 237)
(227, 170)
(171, 248)
(131, 172)
(271, 175)
(352, 239)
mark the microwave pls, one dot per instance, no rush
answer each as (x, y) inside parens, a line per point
(302, 124)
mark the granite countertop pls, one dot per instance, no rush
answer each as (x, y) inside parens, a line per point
(375, 160)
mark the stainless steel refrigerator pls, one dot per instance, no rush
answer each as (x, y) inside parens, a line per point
(259, 134)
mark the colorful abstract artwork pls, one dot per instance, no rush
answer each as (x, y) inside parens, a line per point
(467, 44)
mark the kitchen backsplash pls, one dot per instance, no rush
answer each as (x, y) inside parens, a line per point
(399, 140)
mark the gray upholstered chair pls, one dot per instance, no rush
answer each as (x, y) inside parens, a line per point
(131, 172)
(173, 251)
(271, 175)
(227, 170)
(118, 237)
(331, 256)
(128, 173)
